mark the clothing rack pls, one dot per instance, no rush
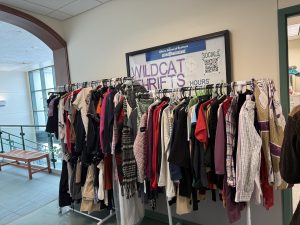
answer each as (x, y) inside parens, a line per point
(122, 80)
(105, 82)
(232, 85)
(72, 87)
(101, 221)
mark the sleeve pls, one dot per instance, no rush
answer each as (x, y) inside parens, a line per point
(78, 100)
(61, 123)
(290, 154)
(220, 144)
(201, 128)
(165, 139)
(248, 156)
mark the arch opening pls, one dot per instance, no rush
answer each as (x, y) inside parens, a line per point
(46, 34)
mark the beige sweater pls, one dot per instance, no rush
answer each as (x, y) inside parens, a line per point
(166, 130)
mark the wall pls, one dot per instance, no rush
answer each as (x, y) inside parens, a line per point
(14, 88)
(98, 40)
(213, 213)
(287, 3)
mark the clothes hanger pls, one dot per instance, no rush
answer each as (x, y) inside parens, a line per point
(240, 85)
(165, 97)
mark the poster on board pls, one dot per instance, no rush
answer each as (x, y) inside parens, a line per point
(193, 62)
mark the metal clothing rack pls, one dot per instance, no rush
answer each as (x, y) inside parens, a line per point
(105, 82)
(95, 83)
(101, 221)
(216, 87)
(71, 87)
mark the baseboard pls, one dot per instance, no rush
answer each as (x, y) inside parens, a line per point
(164, 218)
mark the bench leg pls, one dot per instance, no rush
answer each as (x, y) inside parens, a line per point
(48, 164)
(29, 170)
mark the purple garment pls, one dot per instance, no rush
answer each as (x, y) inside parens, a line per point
(233, 209)
(102, 119)
(51, 107)
(220, 144)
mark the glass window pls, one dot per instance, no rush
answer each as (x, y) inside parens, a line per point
(41, 118)
(36, 77)
(39, 101)
(42, 81)
(48, 76)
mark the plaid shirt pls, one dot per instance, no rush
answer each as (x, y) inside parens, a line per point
(231, 127)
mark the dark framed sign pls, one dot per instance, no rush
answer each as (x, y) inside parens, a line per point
(192, 62)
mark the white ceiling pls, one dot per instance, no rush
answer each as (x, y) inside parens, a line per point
(58, 9)
(21, 50)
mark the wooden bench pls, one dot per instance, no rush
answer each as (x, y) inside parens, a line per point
(27, 157)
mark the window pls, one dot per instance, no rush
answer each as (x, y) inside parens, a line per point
(41, 81)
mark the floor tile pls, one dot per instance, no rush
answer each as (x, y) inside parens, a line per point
(9, 218)
(34, 202)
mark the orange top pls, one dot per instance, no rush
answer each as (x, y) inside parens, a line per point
(98, 109)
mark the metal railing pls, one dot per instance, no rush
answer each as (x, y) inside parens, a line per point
(29, 137)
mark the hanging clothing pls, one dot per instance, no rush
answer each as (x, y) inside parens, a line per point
(155, 150)
(272, 123)
(122, 148)
(82, 103)
(106, 120)
(88, 193)
(129, 185)
(93, 136)
(165, 176)
(140, 147)
(64, 198)
(248, 155)
(150, 137)
(51, 126)
(231, 128)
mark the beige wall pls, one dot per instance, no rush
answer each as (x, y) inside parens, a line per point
(287, 3)
(98, 39)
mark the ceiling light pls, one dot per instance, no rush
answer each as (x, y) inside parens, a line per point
(293, 30)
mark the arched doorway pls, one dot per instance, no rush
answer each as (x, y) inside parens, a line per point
(45, 33)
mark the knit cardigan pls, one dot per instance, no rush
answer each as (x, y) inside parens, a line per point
(271, 125)
(248, 155)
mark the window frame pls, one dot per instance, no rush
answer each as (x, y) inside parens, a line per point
(43, 90)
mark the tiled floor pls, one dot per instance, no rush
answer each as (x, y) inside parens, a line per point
(20, 196)
(24, 202)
